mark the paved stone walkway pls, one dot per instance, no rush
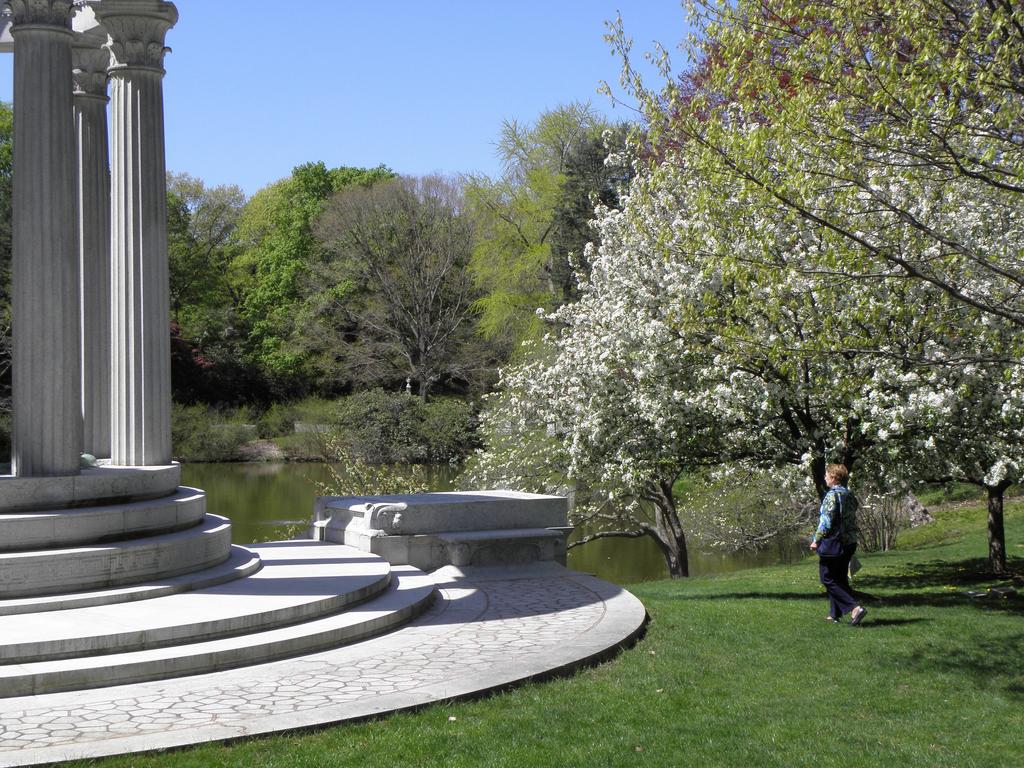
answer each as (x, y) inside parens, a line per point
(488, 628)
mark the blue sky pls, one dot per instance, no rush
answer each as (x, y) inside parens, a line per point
(255, 87)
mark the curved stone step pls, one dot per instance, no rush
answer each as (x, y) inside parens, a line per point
(240, 563)
(488, 630)
(55, 529)
(410, 593)
(95, 485)
(56, 571)
(299, 581)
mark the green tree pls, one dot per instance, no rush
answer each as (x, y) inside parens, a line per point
(531, 218)
(392, 294)
(277, 247)
(201, 222)
(595, 174)
(208, 347)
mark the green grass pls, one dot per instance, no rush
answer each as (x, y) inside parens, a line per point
(949, 493)
(742, 670)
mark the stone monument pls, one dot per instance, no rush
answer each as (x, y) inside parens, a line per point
(113, 574)
(91, 359)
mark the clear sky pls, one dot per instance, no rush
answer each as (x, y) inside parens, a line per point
(256, 87)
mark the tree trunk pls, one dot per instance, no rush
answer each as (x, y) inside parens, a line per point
(675, 555)
(682, 564)
(818, 475)
(996, 533)
(671, 537)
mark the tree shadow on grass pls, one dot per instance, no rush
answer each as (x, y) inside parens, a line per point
(1013, 606)
(932, 584)
(981, 659)
(944, 573)
(766, 595)
(943, 584)
(984, 661)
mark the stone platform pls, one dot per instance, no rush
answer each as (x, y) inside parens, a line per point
(487, 628)
(306, 597)
(464, 528)
(129, 622)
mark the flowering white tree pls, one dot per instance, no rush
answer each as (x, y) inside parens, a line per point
(953, 422)
(844, 113)
(665, 366)
(612, 395)
(709, 336)
(890, 135)
(928, 385)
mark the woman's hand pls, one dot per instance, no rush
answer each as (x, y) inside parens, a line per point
(814, 545)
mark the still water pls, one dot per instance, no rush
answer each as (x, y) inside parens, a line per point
(270, 501)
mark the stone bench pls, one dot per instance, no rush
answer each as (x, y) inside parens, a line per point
(432, 530)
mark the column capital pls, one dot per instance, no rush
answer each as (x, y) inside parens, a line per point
(51, 13)
(136, 31)
(90, 60)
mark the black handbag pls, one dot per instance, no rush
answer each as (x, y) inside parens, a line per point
(832, 546)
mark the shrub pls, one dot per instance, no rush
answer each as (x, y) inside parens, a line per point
(389, 428)
(200, 433)
(880, 518)
(381, 428)
(448, 428)
(374, 426)
(276, 421)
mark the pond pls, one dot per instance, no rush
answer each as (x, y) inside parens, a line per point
(269, 501)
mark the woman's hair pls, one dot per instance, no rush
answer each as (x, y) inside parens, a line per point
(839, 472)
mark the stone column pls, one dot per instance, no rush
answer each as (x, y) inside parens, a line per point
(141, 369)
(47, 421)
(91, 60)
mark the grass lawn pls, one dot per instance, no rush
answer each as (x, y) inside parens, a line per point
(742, 670)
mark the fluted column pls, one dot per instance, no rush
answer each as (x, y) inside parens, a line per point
(92, 187)
(141, 370)
(47, 424)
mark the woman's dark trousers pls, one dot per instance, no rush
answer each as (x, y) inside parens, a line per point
(835, 576)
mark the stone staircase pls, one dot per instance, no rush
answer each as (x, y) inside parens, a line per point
(143, 659)
(119, 575)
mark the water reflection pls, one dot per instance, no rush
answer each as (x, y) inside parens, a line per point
(625, 561)
(268, 501)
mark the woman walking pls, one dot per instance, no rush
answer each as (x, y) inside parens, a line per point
(835, 541)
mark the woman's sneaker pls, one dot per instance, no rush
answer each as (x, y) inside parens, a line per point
(858, 614)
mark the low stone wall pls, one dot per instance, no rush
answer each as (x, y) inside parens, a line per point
(431, 530)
